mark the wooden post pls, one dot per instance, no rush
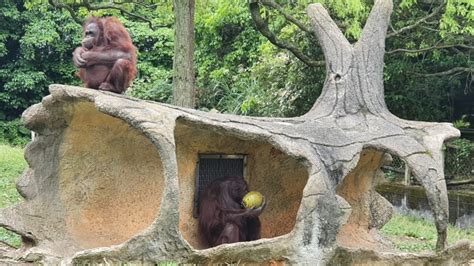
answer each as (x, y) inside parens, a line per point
(407, 175)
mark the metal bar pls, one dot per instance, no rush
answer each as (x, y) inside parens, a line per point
(212, 166)
(221, 156)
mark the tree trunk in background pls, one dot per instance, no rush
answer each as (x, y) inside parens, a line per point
(183, 64)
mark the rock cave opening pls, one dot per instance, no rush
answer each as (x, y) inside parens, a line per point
(278, 176)
(110, 178)
(370, 210)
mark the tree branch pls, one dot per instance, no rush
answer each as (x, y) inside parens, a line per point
(375, 29)
(140, 3)
(447, 72)
(262, 27)
(274, 5)
(429, 29)
(409, 27)
(86, 4)
(68, 8)
(89, 6)
(429, 48)
(336, 48)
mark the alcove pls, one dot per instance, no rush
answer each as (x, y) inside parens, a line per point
(278, 176)
(110, 178)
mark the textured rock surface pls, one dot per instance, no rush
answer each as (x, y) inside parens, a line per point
(462, 253)
(111, 178)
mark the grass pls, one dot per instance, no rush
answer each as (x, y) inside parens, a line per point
(12, 165)
(414, 234)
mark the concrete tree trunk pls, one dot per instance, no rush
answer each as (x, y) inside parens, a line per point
(111, 178)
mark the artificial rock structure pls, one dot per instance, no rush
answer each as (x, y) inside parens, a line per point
(111, 178)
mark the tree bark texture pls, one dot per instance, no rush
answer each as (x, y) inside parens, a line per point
(111, 178)
(183, 63)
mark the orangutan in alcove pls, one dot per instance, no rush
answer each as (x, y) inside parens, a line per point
(222, 219)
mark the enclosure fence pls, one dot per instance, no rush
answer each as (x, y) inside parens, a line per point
(458, 165)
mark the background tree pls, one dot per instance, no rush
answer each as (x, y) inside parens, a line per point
(35, 50)
(183, 64)
(428, 48)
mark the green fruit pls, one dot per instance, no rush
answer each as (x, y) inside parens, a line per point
(253, 199)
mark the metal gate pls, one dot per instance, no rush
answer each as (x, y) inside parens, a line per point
(213, 166)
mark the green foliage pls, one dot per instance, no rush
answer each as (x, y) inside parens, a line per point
(351, 13)
(12, 165)
(225, 49)
(408, 93)
(240, 72)
(290, 87)
(458, 18)
(157, 86)
(36, 52)
(155, 61)
(407, 3)
(14, 133)
(416, 98)
(461, 123)
(413, 234)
